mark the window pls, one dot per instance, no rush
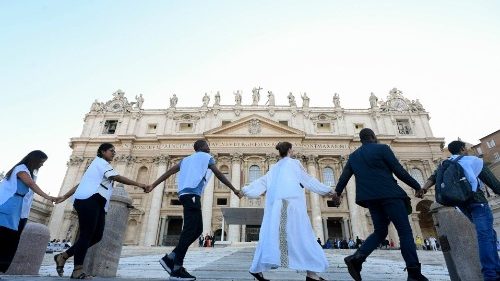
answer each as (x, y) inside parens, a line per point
(330, 203)
(490, 143)
(110, 127)
(358, 127)
(417, 175)
(224, 122)
(323, 127)
(328, 178)
(496, 155)
(225, 171)
(175, 202)
(185, 127)
(152, 128)
(254, 173)
(479, 151)
(221, 201)
(404, 127)
(283, 122)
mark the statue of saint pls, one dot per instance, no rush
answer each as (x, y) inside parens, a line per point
(373, 100)
(139, 101)
(336, 100)
(291, 99)
(305, 100)
(237, 97)
(217, 98)
(270, 98)
(256, 95)
(173, 101)
(206, 100)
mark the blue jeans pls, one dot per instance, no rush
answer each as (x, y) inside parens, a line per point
(480, 214)
(384, 211)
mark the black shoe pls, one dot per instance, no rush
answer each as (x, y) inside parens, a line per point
(414, 274)
(354, 264)
(181, 275)
(259, 276)
(167, 264)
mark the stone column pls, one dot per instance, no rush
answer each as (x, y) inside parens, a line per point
(31, 250)
(234, 230)
(162, 231)
(345, 228)
(156, 198)
(325, 229)
(208, 200)
(271, 160)
(315, 200)
(102, 258)
(71, 179)
(354, 210)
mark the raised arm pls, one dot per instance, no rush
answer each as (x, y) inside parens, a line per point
(344, 178)
(176, 168)
(28, 181)
(312, 183)
(256, 188)
(224, 180)
(488, 178)
(67, 195)
(391, 160)
(128, 181)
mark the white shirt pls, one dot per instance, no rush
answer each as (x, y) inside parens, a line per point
(96, 179)
(8, 187)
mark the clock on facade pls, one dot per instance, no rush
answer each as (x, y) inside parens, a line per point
(399, 104)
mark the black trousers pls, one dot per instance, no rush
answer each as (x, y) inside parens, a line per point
(192, 228)
(91, 218)
(9, 240)
(383, 212)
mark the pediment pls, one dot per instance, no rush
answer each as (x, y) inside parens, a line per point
(254, 126)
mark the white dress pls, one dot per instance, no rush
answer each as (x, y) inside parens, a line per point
(286, 237)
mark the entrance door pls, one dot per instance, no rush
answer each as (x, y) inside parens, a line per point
(252, 233)
(335, 228)
(174, 228)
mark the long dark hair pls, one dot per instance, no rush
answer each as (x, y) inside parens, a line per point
(31, 161)
(103, 147)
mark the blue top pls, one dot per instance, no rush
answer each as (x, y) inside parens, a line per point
(10, 211)
(198, 190)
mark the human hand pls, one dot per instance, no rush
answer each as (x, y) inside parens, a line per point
(336, 199)
(59, 199)
(52, 198)
(239, 193)
(420, 193)
(148, 188)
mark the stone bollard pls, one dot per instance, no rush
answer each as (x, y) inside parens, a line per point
(458, 240)
(102, 258)
(31, 249)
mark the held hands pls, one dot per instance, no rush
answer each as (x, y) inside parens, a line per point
(239, 193)
(336, 199)
(148, 188)
(420, 193)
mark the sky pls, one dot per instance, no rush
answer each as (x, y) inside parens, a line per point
(57, 57)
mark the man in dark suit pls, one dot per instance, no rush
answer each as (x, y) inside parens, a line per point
(373, 166)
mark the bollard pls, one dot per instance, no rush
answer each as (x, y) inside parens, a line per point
(102, 258)
(458, 240)
(31, 249)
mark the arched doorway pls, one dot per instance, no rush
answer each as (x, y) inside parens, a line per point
(425, 219)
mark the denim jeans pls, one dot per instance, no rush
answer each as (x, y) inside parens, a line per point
(480, 214)
(384, 211)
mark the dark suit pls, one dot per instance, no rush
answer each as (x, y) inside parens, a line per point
(373, 166)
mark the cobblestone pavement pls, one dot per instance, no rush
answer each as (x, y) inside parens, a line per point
(232, 263)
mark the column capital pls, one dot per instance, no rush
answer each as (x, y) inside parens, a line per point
(236, 158)
(311, 159)
(74, 160)
(161, 159)
(271, 158)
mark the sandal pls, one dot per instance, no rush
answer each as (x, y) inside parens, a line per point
(82, 275)
(59, 265)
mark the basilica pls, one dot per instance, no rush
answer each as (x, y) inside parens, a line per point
(242, 138)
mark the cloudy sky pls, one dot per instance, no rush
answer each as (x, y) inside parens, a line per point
(56, 57)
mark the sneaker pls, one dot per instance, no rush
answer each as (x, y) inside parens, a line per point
(181, 275)
(167, 264)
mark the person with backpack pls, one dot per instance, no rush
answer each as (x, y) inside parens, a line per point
(476, 207)
(373, 166)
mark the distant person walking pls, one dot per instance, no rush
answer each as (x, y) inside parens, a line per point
(91, 203)
(373, 166)
(16, 196)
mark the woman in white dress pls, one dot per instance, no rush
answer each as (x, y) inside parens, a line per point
(285, 219)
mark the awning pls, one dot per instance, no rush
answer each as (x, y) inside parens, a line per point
(243, 215)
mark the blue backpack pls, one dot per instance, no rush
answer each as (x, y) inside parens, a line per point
(452, 187)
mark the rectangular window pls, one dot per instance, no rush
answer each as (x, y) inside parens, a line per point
(175, 202)
(479, 151)
(358, 127)
(323, 127)
(497, 156)
(404, 127)
(490, 143)
(330, 203)
(152, 128)
(221, 201)
(283, 122)
(224, 122)
(185, 127)
(110, 127)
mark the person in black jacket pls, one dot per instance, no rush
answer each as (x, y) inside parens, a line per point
(373, 166)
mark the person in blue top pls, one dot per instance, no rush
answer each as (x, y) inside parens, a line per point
(195, 171)
(16, 195)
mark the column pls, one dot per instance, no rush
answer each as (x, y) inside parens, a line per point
(208, 200)
(234, 230)
(354, 210)
(75, 164)
(222, 234)
(325, 229)
(162, 231)
(154, 209)
(345, 228)
(315, 200)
